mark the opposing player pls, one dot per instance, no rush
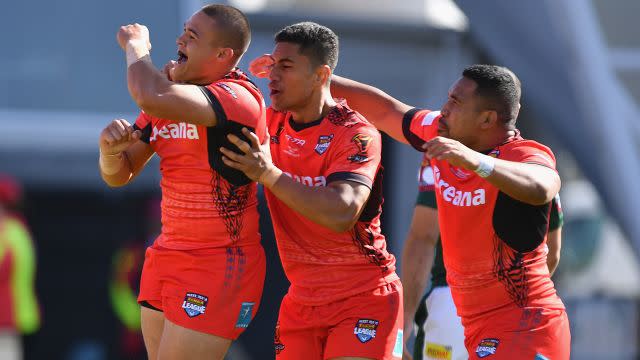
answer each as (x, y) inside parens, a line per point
(202, 279)
(323, 186)
(440, 334)
(494, 192)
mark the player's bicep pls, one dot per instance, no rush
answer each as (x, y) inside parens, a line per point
(138, 154)
(379, 108)
(180, 102)
(353, 196)
(390, 120)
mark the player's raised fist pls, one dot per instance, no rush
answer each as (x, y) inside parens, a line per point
(261, 66)
(117, 136)
(168, 68)
(133, 33)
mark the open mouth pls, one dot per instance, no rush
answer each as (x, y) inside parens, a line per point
(181, 57)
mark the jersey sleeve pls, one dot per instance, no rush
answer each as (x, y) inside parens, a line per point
(556, 217)
(237, 106)
(420, 126)
(533, 153)
(144, 124)
(356, 157)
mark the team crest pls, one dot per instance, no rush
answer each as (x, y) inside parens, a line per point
(323, 143)
(487, 347)
(494, 153)
(362, 142)
(365, 329)
(194, 304)
(228, 89)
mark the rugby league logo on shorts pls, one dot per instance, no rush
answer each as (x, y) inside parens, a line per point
(365, 329)
(323, 143)
(245, 314)
(194, 304)
(487, 347)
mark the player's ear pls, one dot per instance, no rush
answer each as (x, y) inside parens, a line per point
(489, 119)
(225, 54)
(323, 74)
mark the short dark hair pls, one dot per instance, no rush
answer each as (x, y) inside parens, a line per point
(317, 42)
(233, 23)
(499, 87)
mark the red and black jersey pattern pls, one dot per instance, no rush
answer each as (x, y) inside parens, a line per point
(205, 203)
(324, 265)
(493, 245)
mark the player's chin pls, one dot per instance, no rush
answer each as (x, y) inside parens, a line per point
(179, 74)
(443, 133)
(278, 105)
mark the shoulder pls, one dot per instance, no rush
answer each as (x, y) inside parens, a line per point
(422, 117)
(527, 151)
(343, 116)
(235, 91)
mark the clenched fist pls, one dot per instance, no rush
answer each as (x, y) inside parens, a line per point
(117, 137)
(133, 33)
(261, 66)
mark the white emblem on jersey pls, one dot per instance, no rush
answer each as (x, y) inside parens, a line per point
(296, 141)
(175, 131)
(456, 197)
(428, 119)
(426, 176)
(308, 180)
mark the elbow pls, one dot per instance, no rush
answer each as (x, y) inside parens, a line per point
(541, 194)
(146, 102)
(344, 220)
(147, 99)
(114, 183)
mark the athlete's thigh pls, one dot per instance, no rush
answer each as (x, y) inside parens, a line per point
(181, 343)
(152, 322)
(367, 325)
(298, 334)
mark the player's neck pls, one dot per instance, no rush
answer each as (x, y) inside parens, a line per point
(497, 139)
(213, 76)
(317, 107)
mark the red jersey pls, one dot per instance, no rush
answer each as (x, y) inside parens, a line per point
(206, 204)
(323, 265)
(494, 246)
